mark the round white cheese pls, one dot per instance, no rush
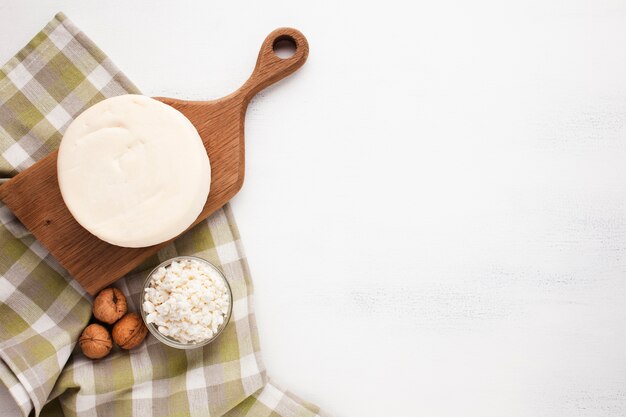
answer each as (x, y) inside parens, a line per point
(133, 171)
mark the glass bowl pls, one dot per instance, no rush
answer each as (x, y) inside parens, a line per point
(173, 342)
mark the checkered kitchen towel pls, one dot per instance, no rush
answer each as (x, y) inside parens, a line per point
(43, 311)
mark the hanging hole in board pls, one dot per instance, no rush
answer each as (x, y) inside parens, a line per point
(284, 47)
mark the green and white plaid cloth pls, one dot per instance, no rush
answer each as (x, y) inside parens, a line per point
(43, 311)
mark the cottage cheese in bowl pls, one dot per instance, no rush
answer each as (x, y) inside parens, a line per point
(186, 302)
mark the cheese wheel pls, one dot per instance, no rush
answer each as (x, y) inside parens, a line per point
(133, 171)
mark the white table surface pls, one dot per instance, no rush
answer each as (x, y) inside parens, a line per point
(435, 205)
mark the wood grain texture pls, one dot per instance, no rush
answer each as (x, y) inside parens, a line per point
(35, 198)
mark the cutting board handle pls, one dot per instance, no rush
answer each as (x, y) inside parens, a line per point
(270, 68)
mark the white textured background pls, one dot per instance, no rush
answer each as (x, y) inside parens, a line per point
(435, 205)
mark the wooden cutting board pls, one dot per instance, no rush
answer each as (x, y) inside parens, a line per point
(35, 198)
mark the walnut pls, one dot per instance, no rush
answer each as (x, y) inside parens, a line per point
(95, 341)
(109, 305)
(130, 331)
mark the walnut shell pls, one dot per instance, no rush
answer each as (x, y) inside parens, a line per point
(130, 331)
(95, 341)
(109, 305)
